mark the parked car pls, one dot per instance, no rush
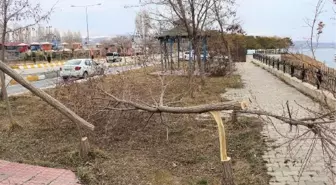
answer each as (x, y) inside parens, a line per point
(81, 68)
(113, 57)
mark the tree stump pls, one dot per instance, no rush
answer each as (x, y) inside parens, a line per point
(227, 177)
(84, 148)
(234, 116)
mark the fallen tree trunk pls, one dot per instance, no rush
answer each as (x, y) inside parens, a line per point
(231, 105)
(46, 97)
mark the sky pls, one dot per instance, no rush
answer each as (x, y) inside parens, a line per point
(285, 18)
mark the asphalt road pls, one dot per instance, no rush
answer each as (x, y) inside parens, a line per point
(51, 83)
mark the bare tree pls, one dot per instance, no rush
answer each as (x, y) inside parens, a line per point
(222, 22)
(315, 35)
(190, 16)
(19, 10)
(12, 12)
(68, 37)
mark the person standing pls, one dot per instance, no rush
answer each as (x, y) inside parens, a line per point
(319, 78)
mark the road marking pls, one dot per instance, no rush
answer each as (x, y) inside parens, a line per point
(30, 66)
(29, 78)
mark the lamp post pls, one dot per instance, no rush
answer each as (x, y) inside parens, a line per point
(87, 21)
(48, 33)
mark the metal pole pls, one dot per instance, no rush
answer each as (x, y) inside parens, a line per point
(87, 26)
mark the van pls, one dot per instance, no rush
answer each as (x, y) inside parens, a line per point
(113, 57)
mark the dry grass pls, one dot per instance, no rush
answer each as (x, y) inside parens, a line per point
(299, 59)
(128, 149)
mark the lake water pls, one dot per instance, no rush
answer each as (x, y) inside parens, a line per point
(326, 55)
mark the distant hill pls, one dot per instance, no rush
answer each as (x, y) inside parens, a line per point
(98, 39)
(304, 44)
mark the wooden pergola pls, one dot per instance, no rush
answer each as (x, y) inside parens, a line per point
(176, 35)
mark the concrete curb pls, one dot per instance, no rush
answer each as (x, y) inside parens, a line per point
(29, 78)
(324, 97)
(37, 77)
(34, 66)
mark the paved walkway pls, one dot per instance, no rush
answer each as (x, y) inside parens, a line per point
(16, 173)
(270, 94)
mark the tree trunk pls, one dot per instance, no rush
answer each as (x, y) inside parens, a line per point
(190, 71)
(4, 95)
(227, 176)
(84, 148)
(161, 56)
(197, 54)
(46, 97)
(178, 53)
(165, 55)
(234, 116)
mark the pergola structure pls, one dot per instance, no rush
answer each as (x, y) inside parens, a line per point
(176, 35)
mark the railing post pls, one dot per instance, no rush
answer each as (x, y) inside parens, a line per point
(303, 73)
(284, 66)
(273, 62)
(292, 70)
(278, 64)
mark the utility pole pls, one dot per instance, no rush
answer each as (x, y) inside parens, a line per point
(87, 19)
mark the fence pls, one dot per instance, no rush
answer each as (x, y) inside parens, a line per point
(271, 51)
(324, 78)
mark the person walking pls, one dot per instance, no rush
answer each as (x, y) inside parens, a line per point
(34, 57)
(49, 58)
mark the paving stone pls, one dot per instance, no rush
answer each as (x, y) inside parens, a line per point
(270, 94)
(16, 173)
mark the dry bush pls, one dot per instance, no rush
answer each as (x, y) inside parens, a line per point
(221, 67)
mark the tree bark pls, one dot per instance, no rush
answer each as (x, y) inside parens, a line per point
(178, 53)
(4, 95)
(46, 97)
(227, 176)
(231, 105)
(84, 148)
(234, 116)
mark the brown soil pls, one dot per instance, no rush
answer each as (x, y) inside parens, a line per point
(128, 147)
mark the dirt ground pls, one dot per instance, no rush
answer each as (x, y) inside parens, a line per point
(135, 147)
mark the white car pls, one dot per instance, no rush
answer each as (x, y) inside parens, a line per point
(113, 57)
(80, 68)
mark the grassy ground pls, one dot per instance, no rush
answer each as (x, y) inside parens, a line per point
(128, 147)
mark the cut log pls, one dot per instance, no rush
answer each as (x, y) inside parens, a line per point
(84, 148)
(227, 176)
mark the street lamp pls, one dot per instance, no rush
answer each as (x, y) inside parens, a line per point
(87, 22)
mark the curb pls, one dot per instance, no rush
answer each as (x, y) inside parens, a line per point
(29, 78)
(34, 66)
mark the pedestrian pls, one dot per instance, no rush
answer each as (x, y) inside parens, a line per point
(319, 78)
(34, 57)
(49, 58)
